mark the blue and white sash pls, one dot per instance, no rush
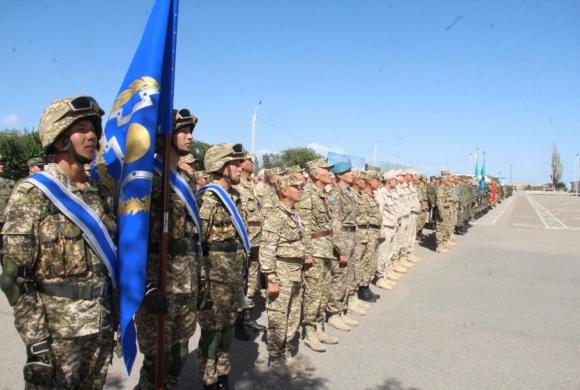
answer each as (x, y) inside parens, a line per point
(232, 209)
(183, 190)
(74, 208)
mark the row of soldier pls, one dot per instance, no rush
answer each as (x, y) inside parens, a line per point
(320, 243)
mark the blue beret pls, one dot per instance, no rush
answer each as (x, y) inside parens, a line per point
(341, 167)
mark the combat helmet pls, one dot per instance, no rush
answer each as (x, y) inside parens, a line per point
(182, 118)
(63, 113)
(218, 155)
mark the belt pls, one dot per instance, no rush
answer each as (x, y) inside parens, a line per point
(291, 259)
(349, 228)
(321, 233)
(254, 223)
(231, 245)
(74, 291)
(174, 247)
(369, 226)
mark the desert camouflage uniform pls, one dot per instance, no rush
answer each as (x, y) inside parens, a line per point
(39, 238)
(387, 200)
(361, 240)
(424, 209)
(282, 261)
(374, 228)
(343, 211)
(453, 199)
(315, 216)
(269, 197)
(404, 212)
(181, 290)
(225, 263)
(253, 217)
(415, 211)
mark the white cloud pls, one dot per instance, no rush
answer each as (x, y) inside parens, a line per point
(10, 120)
(324, 149)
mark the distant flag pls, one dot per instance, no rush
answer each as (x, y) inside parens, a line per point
(142, 109)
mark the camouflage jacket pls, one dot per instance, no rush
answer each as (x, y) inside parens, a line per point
(217, 227)
(182, 262)
(387, 201)
(315, 215)
(252, 210)
(269, 197)
(38, 237)
(343, 211)
(424, 197)
(375, 217)
(403, 201)
(6, 186)
(282, 241)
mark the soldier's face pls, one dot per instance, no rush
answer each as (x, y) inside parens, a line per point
(300, 176)
(83, 138)
(34, 169)
(1, 167)
(248, 166)
(323, 175)
(346, 177)
(374, 183)
(294, 193)
(233, 170)
(182, 139)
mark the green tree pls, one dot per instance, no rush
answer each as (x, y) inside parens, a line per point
(271, 160)
(198, 149)
(17, 147)
(298, 156)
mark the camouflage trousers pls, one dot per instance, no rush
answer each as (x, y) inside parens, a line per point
(370, 258)
(402, 236)
(180, 322)
(386, 251)
(253, 275)
(358, 266)
(81, 362)
(411, 233)
(284, 310)
(316, 291)
(454, 210)
(422, 221)
(442, 226)
(341, 278)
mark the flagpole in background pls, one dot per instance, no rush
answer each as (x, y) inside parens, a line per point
(166, 130)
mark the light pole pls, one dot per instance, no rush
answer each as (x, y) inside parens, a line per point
(577, 173)
(254, 117)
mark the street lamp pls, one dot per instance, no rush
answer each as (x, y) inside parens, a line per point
(254, 128)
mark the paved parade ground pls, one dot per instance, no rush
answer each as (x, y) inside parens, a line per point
(499, 311)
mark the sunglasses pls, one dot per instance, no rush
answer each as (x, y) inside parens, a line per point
(81, 104)
(183, 114)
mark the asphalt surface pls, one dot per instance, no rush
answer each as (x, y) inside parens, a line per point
(499, 311)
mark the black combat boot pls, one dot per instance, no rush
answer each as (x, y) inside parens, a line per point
(240, 331)
(222, 383)
(249, 323)
(376, 296)
(364, 294)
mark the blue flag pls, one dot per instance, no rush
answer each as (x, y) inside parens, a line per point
(143, 108)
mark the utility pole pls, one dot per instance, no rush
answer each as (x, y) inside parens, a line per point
(510, 174)
(577, 172)
(254, 117)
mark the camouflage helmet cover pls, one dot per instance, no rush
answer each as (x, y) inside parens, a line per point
(182, 118)
(218, 155)
(63, 113)
(187, 159)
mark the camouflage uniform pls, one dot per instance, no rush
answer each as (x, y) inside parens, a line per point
(225, 261)
(374, 228)
(181, 291)
(404, 212)
(282, 261)
(315, 215)
(387, 201)
(343, 210)
(424, 209)
(40, 239)
(253, 217)
(6, 186)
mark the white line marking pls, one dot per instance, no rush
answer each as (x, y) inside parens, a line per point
(548, 219)
(486, 220)
(505, 207)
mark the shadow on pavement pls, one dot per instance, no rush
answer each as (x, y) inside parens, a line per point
(392, 384)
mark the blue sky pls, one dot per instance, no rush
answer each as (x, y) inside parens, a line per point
(427, 81)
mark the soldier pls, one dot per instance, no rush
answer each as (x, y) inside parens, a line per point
(386, 197)
(369, 259)
(180, 301)
(266, 191)
(404, 217)
(59, 287)
(415, 205)
(421, 185)
(342, 206)
(298, 172)
(187, 164)
(445, 202)
(6, 186)
(318, 246)
(226, 246)
(253, 216)
(201, 178)
(282, 261)
(35, 165)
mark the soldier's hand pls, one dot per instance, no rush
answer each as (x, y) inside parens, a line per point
(273, 290)
(343, 261)
(309, 262)
(382, 237)
(154, 301)
(39, 369)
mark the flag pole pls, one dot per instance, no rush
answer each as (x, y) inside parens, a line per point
(167, 82)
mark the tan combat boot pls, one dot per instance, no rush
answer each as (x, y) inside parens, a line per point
(412, 258)
(311, 340)
(354, 308)
(280, 368)
(294, 363)
(361, 304)
(441, 249)
(393, 276)
(337, 323)
(349, 321)
(324, 337)
(399, 268)
(384, 284)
